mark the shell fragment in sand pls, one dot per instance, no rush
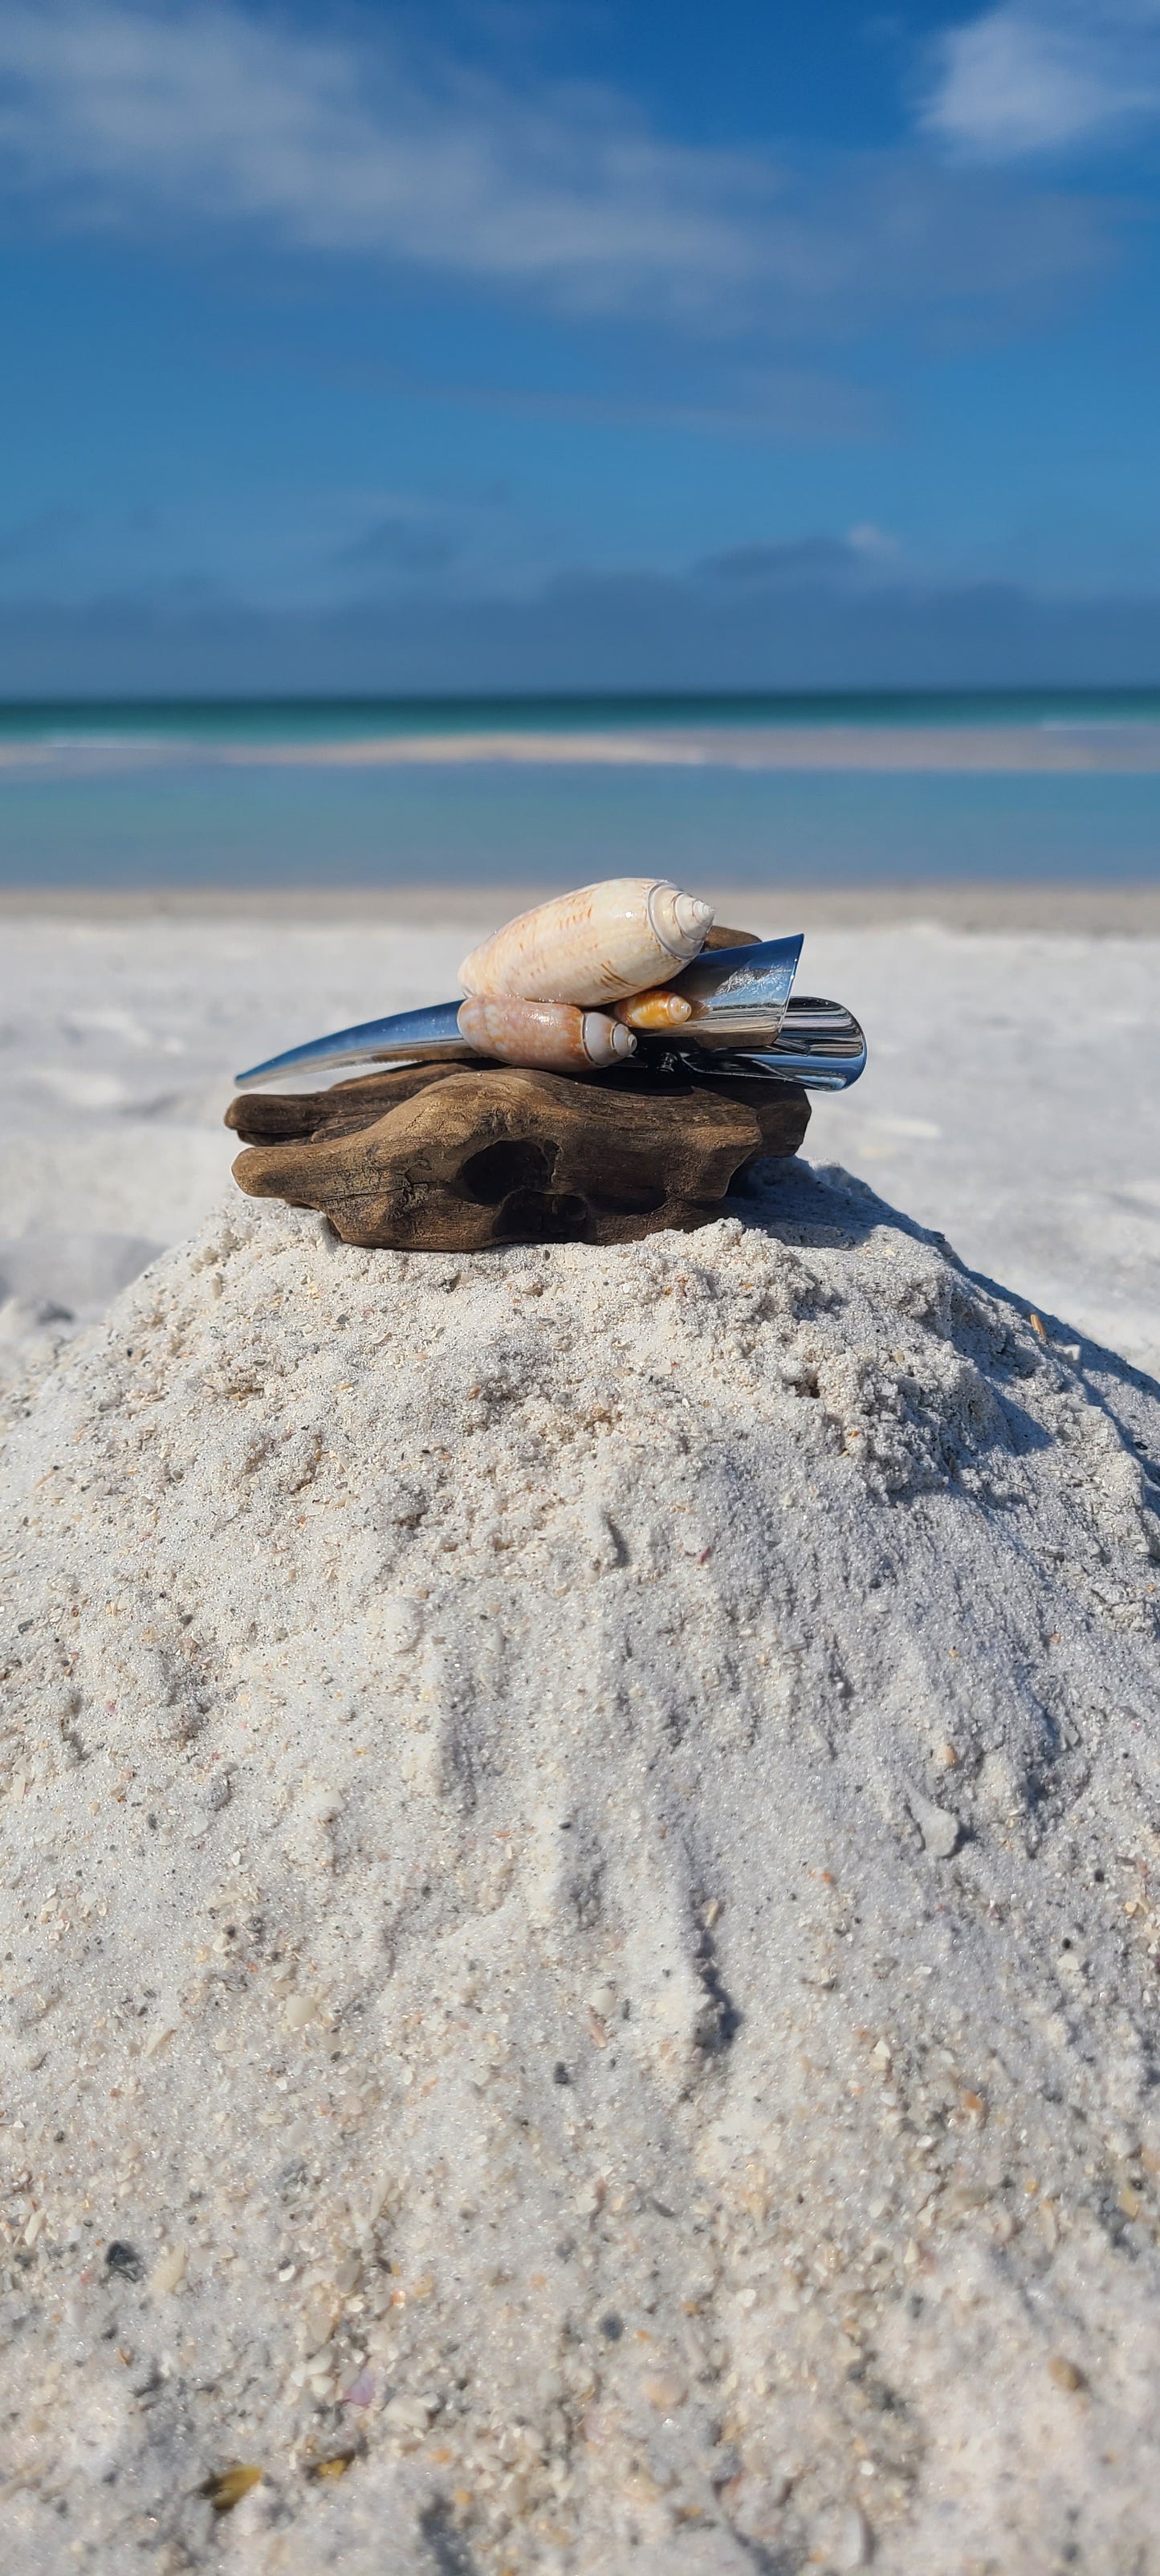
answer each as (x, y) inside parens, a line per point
(556, 1036)
(168, 2272)
(592, 946)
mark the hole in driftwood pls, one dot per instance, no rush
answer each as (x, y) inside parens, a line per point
(515, 1163)
(542, 1216)
(628, 1202)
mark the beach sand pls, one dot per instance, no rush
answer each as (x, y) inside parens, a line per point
(577, 1829)
(1012, 1097)
(576, 1872)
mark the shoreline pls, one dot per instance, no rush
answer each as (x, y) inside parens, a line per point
(1053, 908)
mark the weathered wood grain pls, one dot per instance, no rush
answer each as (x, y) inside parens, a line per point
(448, 1158)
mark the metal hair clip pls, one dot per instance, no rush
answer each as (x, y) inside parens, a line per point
(742, 1021)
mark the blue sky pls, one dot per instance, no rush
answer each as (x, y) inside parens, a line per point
(309, 310)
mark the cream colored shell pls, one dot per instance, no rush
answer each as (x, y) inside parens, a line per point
(554, 1036)
(592, 946)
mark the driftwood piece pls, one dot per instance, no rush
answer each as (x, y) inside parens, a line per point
(448, 1158)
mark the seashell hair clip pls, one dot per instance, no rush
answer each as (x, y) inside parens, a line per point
(624, 969)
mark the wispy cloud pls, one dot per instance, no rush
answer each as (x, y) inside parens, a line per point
(143, 113)
(1040, 75)
(211, 111)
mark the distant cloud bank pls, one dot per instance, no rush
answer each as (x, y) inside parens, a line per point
(815, 616)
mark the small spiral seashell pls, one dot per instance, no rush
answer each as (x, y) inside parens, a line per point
(656, 1010)
(592, 946)
(554, 1036)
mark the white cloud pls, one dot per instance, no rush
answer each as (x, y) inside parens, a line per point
(202, 109)
(195, 114)
(1040, 75)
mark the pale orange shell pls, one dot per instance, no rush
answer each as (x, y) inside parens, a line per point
(554, 1036)
(656, 1010)
(594, 945)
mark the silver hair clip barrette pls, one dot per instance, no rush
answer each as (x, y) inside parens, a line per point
(741, 1019)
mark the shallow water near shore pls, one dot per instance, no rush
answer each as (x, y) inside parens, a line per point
(841, 790)
(208, 824)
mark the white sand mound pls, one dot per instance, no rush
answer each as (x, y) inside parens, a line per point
(578, 1917)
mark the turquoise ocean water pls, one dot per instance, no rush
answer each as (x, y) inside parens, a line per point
(126, 795)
